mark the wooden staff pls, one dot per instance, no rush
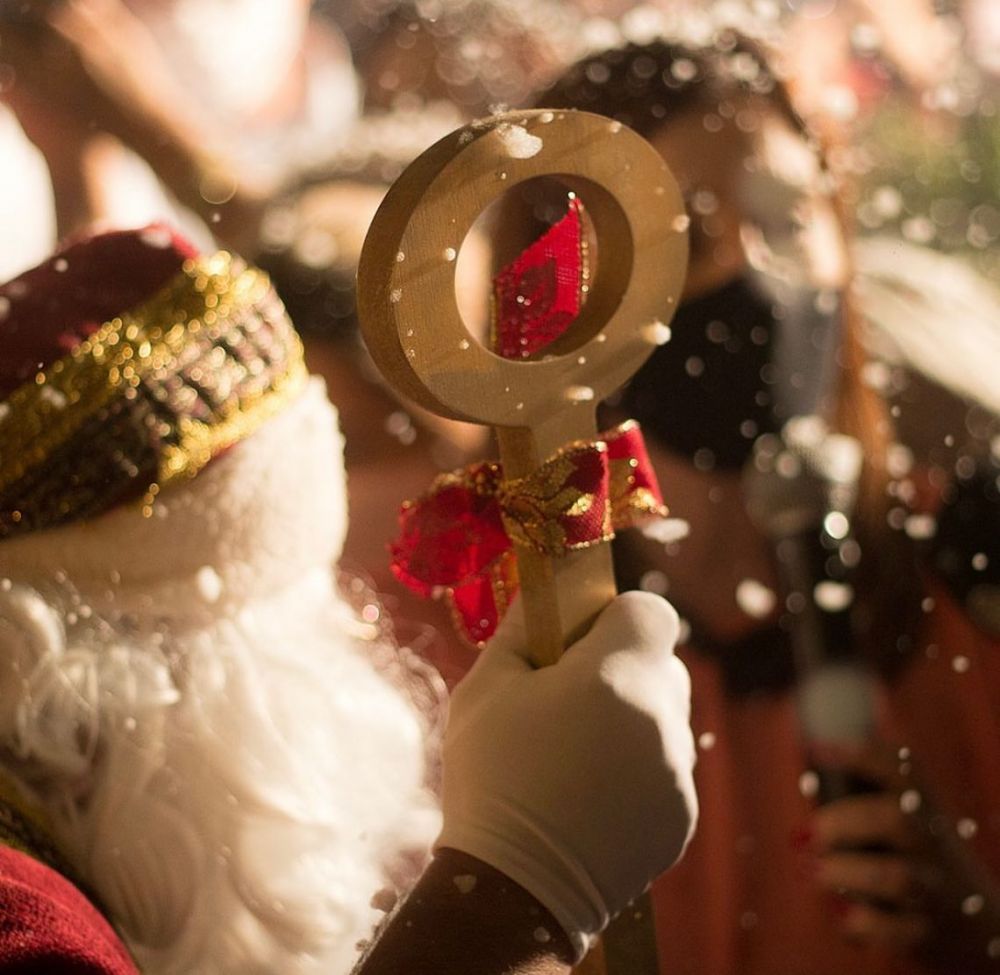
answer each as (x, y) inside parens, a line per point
(414, 330)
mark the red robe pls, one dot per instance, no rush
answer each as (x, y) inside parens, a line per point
(47, 927)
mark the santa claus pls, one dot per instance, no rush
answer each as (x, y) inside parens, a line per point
(207, 754)
(185, 695)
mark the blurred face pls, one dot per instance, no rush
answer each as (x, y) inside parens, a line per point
(754, 191)
(764, 236)
(708, 167)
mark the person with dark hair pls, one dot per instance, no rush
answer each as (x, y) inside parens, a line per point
(834, 656)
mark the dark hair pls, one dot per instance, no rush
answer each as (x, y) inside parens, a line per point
(645, 85)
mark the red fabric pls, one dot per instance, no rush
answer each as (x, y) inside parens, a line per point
(47, 927)
(452, 533)
(454, 541)
(743, 900)
(627, 454)
(538, 295)
(47, 311)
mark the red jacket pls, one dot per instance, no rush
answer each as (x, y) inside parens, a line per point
(744, 901)
(47, 927)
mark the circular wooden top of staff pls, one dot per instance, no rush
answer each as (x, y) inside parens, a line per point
(406, 278)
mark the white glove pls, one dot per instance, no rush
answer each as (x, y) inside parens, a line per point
(575, 780)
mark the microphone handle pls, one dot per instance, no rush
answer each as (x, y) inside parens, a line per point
(835, 694)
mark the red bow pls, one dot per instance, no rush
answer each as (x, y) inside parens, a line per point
(456, 541)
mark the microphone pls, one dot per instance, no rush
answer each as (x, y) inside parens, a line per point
(801, 487)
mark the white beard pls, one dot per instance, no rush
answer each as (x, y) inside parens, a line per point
(234, 792)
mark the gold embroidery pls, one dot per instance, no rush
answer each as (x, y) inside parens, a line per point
(630, 504)
(153, 395)
(581, 506)
(532, 507)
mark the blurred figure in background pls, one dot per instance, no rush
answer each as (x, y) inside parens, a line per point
(472, 54)
(898, 870)
(222, 102)
(277, 166)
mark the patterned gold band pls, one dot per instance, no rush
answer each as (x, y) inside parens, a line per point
(149, 398)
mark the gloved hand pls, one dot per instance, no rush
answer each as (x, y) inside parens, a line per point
(575, 780)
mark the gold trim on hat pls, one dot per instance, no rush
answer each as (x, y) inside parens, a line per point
(153, 394)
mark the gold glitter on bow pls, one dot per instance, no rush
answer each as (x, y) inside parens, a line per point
(632, 500)
(548, 510)
(456, 540)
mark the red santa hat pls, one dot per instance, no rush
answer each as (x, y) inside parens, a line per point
(128, 361)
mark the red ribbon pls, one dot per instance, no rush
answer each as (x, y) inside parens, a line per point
(539, 294)
(456, 541)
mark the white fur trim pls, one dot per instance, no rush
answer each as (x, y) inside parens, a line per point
(270, 510)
